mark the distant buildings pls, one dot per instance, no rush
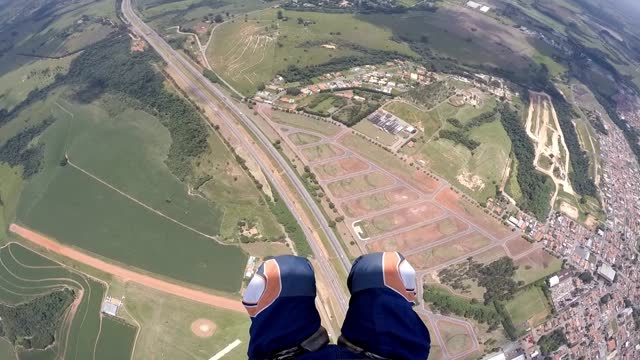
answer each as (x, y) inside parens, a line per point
(607, 272)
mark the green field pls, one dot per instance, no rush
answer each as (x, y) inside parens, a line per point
(455, 336)
(416, 117)
(25, 275)
(249, 53)
(305, 123)
(367, 128)
(536, 266)
(165, 327)
(528, 305)
(116, 339)
(94, 217)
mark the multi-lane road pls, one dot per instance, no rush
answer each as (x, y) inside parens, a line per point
(212, 96)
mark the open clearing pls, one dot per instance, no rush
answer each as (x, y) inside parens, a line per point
(359, 184)
(528, 308)
(401, 218)
(304, 122)
(374, 202)
(250, 53)
(340, 168)
(390, 162)
(518, 246)
(321, 152)
(383, 137)
(303, 139)
(415, 116)
(456, 337)
(454, 202)
(421, 236)
(536, 265)
(25, 275)
(450, 250)
(116, 339)
(91, 215)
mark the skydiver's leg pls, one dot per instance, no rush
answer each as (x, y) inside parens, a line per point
(380, 320)
(280, 299)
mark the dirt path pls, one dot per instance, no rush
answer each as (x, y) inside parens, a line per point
(127, 275)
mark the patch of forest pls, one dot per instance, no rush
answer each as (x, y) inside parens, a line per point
(19, 150)
(536, 187)
(33, 324)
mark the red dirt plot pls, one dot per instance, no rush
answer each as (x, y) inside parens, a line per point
(454, 202)
(451, 250)
(421, 236)
(340, 168)
(378, 201)
(401, 218)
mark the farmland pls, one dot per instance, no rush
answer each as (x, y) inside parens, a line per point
(27, 275)
(88, 209)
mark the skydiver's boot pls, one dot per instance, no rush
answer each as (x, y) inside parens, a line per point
(381, 323)
(280, 299)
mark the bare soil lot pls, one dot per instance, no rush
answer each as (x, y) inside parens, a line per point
(454, 202)
(442, 253)
(401, 218)
(419, 237)
(340, 168)
(518, 246)
(378, 201)
(359, 184)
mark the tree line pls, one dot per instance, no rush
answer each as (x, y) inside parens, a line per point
(17, 150)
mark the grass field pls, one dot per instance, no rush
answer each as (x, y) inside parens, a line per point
(528, 306)
(321, 152)
(126, 149)
(116, 339)
(305, 123)
(456, 337)
(303, 139)
(26, 275)
(165, 327)
(359, 184)
(370, 130)
(536, 265)
(415, 116)
(249, 53)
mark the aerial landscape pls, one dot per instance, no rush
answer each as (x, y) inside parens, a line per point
(153, 153)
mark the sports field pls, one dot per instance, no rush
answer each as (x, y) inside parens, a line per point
(528, 308)
(26, 275)
(126, 150)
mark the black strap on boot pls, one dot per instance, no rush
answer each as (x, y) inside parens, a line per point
(358, 350)
(314, 342)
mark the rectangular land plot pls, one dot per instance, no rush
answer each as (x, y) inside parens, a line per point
(528, 308)
(391, 163)
(359, 184)
(518, 246)
(454, 202)
(340, 168)
(301, 138)
(321, 152)
(378, 201)
(448, 251)
(401, 218)
(455, 336)
(536, 265)
(419, 237)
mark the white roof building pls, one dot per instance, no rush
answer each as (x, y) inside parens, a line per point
(473, 4)
(607, 272)
(554, 280)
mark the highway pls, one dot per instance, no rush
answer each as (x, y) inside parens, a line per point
(182, 67)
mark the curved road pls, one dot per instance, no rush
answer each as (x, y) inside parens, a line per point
(180, 65)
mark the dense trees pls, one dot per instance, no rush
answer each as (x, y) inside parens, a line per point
(18, 151)
(459, 137)
(210, 75)
(535, 186)
(447, 303)
(291, 226)
(34, 324)
(552, 341)
(497, 279)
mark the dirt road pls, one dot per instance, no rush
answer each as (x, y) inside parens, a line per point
(127, 275)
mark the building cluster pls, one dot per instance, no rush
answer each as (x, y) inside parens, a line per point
(597, 296)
